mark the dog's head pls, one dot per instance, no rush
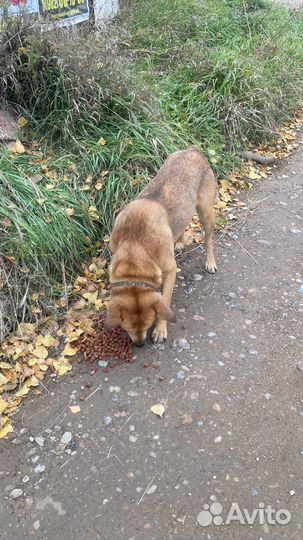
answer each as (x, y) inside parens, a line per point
(135, 309)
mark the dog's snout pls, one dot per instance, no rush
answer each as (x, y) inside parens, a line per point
(139, 343)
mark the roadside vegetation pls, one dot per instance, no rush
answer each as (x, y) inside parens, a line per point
(100, 112)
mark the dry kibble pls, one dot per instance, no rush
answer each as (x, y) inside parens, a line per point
(106, 344)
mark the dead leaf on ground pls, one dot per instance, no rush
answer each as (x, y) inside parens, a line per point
(158, 409)
(18, 148)
(75, 408)
(22, 122)
(5, 427)
(102, 141)
(69, 350)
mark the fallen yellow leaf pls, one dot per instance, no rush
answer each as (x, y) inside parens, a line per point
(75, 408)
(50, 187)
(22, 122)
(102, 141)
(99, 304)
(69, 350)
(47, 341)
(5, 365)
(3, 379)
(40, 352)
(18, 148)
(158, 409)
(8, 428)
(52, 174)
(225, 184)
(253, 175)
(24, 390)
(61, 368)
(91, 296)
(3, 405)
(69, 211)
(98, 186)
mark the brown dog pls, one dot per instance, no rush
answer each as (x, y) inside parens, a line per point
(143, 268)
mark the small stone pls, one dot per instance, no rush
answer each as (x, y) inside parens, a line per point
(254, 492)
(180, 375)
(253, 352)
(212, 334)
(23, 431)
(36, 525)
(197, 277)
(197, 317)
(216, 407)
(218, 439)
(300, 365)
(25, 479)
(292, 492)
(200, 423)
(114, 389)
(233, 295)
(294, 230)
(40, 441)
(268, 396)
(15, 493)
(48, 431)
(133, 438)
(220, 363)
(182, 342)
(40, 468)
(35, 459)
(66, 437)
(301, 289)
(152, 489)
(103, 363)
(114, 397)
(107, 421)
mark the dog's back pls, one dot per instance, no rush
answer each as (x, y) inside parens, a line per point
(183, 175)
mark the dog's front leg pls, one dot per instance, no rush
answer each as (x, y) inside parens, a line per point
(160, 330)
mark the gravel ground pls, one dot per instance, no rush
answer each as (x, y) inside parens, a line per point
(230, 382)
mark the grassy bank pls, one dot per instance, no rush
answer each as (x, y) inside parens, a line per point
(103, 111)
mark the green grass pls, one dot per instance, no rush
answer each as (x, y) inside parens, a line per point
(221, 74)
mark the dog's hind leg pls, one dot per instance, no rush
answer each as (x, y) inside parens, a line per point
(206, 212)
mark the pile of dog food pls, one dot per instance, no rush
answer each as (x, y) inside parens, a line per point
(106, 344)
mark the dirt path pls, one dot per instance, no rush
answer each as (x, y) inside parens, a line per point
(232, 430)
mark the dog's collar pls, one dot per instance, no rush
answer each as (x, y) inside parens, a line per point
(134, 284)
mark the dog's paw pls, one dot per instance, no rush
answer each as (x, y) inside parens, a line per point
(211, 266)
(179, 246)
(160, 332)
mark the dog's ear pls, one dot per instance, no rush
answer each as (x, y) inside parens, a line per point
(165, 312)
(113, 316)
